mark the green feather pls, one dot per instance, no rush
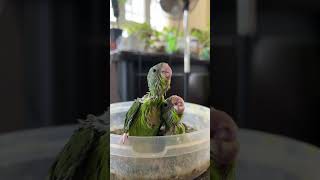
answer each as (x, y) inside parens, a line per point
(131, 115)
(144, 116)
(172, 121)
(72, 155)
(180, 129)
(97, 165)
(217, 174)
(147, 121)
(85, 153)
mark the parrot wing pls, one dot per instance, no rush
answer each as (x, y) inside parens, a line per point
(72, 155)
(96, 166)
(214, 173)
(77, 151)
(232, 172)
(228, 174)
(131, 114)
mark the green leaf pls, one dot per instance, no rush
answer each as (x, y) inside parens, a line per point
(122, 2)
(203, 36)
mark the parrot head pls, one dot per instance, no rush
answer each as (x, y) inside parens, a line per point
(172, 109)
(159, 79)
(175, 103)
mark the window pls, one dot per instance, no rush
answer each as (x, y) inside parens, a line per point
(135, 11)
(112, 18)
(158, 20)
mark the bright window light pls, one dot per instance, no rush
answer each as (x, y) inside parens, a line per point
(158, 19)
(135, 11)
(112, 18)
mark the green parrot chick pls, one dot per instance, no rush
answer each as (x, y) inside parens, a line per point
(144, 116)
(172, 112)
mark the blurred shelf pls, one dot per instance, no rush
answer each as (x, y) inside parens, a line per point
(175, 74)
(155, 57)
(132, 69)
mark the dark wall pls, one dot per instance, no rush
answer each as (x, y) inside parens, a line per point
(284, 92)
(53, 62)
(224, 83)
(283, 68)
(285, 88)
(224, 62)
(12, 107)
(80, 53)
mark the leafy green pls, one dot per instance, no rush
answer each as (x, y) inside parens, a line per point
(122, 2)
(143, 31)
(171, 35)
(203, 36)
(150, 36)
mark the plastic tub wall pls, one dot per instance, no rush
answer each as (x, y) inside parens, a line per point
(161, 157)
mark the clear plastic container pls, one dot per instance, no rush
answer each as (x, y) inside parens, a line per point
(183, 156)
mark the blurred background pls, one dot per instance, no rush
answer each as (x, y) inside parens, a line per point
(266, 64)
(263, 68)
(146, 32)
(264, 61)
(53, 62)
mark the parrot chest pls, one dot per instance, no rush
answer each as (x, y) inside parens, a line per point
(148, 120)
(153, 117)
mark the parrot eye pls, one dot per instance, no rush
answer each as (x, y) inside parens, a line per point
(154, 70)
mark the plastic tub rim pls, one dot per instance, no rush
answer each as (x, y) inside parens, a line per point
(203, 130)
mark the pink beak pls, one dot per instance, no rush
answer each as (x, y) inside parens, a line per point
(166, 71)
(179, 109)
(178, 104)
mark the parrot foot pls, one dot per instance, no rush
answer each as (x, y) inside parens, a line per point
(124, 137)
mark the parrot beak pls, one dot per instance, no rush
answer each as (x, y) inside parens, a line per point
(166, 71)
(179, 108)
(178, 104)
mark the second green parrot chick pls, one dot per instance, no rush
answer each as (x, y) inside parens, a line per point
(172, 112)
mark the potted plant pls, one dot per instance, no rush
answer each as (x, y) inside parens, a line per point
(203, 37)
(145, 33)
(171, 37)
